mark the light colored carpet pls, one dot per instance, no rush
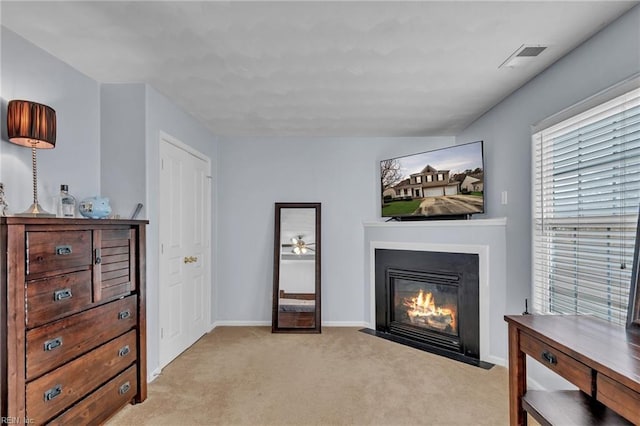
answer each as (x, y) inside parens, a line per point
(248, 376)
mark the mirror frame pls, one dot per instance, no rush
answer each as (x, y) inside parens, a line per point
(275, 327)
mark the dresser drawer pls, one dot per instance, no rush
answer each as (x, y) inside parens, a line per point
(619, 398)
(57, 390)
(101, 404)
(59, 250)
(54, 344)
(55, 297)
(561, 363)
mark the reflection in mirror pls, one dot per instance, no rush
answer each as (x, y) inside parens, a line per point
(296, 266)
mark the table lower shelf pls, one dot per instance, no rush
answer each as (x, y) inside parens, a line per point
(569, 408)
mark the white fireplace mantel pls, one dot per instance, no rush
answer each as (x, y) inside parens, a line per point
(485, 237)
(472, 223)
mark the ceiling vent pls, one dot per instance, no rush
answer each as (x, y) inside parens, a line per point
(522, 56)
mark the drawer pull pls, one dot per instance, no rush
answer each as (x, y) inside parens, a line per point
(124, 314)
(50, 345)
(549, 357)
(53, 392)
(64, 250)
(62, 294)
(124, 388)
(124, 351)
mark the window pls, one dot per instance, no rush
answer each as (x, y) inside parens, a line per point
(418, 179)
(440, 176)
(586, 181)
(429, 178)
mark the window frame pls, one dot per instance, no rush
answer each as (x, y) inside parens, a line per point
(633, 306)
(633, 311)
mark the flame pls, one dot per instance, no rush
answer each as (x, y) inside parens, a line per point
(423, 310)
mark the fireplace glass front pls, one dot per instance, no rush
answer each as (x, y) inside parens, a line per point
(426, 305)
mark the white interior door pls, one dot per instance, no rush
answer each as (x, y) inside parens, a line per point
(184, 222)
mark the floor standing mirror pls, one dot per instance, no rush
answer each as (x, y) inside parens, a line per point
(296, 268)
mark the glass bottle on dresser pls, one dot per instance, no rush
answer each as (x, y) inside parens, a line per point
(66, 203)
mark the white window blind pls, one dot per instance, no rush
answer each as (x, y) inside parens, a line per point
(586, 199)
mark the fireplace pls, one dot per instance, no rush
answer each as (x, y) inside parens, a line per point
(429, 300)
(423, 306)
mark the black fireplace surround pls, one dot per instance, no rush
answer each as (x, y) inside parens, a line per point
(406, 281)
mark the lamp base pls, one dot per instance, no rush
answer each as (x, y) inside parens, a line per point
(35, 211)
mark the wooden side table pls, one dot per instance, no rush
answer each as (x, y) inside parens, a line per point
(602, 360)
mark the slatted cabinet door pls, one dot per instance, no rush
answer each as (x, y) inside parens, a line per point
(114, 271)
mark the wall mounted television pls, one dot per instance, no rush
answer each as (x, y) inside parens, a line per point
(446, 183)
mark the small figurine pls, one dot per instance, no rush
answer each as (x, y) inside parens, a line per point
(95, 207)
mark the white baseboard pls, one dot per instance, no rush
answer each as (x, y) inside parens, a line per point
(154, 375)
(533, 384)
(344, 324)
(497, 361)
(234, 323)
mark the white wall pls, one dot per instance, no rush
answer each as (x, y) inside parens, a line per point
(32, 74)
(341, 173)
(607, 58)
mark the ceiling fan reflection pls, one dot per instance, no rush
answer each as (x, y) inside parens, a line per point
(299, 246)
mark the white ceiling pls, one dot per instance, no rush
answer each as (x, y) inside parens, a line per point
(297, 222)
(314, 68)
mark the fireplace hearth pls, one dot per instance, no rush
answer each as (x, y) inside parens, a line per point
(430, 301)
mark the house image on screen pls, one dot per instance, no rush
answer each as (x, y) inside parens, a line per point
(429, 182)
(471, 184)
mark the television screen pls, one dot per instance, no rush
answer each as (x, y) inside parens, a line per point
(443, 183)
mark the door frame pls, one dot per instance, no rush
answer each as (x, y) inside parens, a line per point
(166, 138)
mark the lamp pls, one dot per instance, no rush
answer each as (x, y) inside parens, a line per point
(32, 125)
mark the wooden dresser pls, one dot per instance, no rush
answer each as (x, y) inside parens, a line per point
(602, 360)
(73, 319)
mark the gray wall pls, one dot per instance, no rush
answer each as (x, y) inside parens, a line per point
(107, 143)
(122, 148)
(607, 58)
(341, 173)
(30, 73)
